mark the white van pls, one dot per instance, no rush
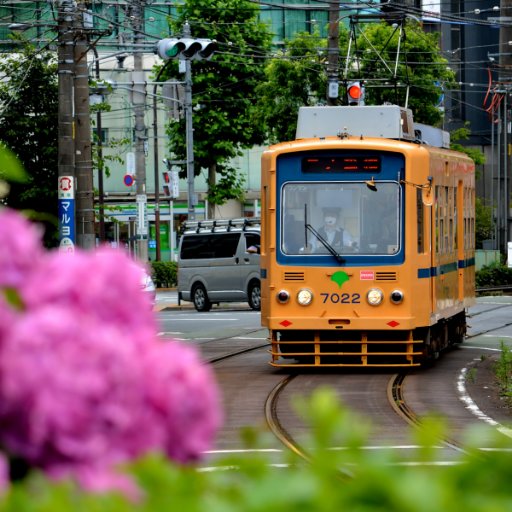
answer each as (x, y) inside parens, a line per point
(219, 261)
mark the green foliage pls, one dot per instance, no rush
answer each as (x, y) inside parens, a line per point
(463, 133)
(224, 99)
(102, 162)
(295, 77)
(11, 168)
(503, 370)
(421, 65)
(28, 126)
(164, 273)
(230, 186)
(351, 478)
(495, 274)
(484, 225)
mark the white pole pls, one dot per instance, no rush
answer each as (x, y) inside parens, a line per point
(171, 229)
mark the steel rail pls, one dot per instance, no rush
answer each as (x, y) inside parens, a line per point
(396, 398)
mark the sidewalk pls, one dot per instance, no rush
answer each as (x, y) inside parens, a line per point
(167, 299)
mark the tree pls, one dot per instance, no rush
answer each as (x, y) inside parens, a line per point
(297, 76)
(420, 66)
(463, 133)
(28, 126)
(224, 95)
(484, 224)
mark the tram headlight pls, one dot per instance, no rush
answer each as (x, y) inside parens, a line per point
(396, 297)
(283, 297)
(304, 297)
(374, 296)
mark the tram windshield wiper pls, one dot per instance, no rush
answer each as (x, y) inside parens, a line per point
(325, 243)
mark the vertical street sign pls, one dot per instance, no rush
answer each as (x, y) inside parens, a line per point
(130, 163)
(175, 184)
(142, 220)
(66, 212)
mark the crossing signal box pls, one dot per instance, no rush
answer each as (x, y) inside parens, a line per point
(355, 93)
(166, 175)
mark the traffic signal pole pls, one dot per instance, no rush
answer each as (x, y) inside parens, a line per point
(192, 201)
(186, 49)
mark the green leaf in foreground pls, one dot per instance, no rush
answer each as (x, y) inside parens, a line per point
(10, 167)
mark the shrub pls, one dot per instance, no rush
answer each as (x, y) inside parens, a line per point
(164, 273)
(352, 478)
(495, 274)
(503, 370)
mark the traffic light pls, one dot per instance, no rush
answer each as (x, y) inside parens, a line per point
(355, 93)
(166, 175)
(173, 48)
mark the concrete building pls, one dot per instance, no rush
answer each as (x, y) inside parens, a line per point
(469, 39)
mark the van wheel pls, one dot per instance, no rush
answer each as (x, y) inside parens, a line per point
(255, 295)
(200, 297)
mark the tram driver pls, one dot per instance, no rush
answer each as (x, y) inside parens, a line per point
(337, 237)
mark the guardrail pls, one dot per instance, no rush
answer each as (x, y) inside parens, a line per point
(507, 288)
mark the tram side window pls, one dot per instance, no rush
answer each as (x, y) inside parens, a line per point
(437, 210)
(420, 212)
(455, 220)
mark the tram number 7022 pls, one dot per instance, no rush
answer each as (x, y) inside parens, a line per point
(341, 298)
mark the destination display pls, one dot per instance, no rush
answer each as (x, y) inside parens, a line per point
(348, 163)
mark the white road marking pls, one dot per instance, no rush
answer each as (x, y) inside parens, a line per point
(474, 409)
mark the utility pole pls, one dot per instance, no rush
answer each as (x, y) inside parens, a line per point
(83, 146)
(333, 52)
(66, 143)
(139, 105)
(505, 60)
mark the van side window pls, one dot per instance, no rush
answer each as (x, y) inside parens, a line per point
(252, 239)
(208, 245)
(225, 246)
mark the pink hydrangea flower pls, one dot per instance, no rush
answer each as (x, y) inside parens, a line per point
(181, 395)
(20, 247)
(85, 382)
(104, 284)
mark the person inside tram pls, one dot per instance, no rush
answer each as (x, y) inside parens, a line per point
(338, 238)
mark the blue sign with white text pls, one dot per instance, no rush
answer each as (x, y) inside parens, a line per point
(67, 224)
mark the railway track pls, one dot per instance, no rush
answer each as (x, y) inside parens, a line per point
(275, 388)
(236, 353)
(396, 401)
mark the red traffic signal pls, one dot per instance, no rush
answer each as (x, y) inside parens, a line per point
(166, 175)
(355, 93)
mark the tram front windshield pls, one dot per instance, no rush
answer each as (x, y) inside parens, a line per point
(344, 217)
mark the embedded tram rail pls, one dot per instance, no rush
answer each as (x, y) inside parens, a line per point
(396, 400)
(256, 395)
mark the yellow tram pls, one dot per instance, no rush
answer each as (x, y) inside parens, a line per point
(367, 240)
